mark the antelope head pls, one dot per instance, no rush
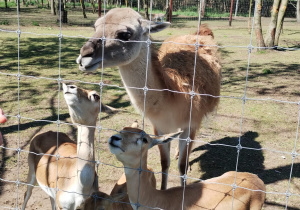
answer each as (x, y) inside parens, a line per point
(78, 100)
(131, 143)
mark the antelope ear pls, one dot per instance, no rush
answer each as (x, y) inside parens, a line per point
(166, 138)
(153, 26)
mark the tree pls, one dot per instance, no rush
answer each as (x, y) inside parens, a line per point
(270, 37)
(275, 26)
(298, 11)
(257, 23)
(146, 7)
(5, 3)
(249, 20)
(83, 8)
(53, 11)
(279, 25)
(93, 6)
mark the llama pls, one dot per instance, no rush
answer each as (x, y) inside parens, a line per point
(216, 193)
(171, 67)
(76, 162)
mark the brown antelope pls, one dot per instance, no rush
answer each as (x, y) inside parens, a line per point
(75, 178)
(172, 67)
(118, 198)
(131, 146)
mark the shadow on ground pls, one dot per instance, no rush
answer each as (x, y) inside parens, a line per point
(220, 156)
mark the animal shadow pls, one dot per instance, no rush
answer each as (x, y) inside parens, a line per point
(220, 156)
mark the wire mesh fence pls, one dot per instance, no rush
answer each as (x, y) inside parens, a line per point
(237, 147)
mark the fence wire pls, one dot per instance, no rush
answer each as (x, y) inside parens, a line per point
(100, 128)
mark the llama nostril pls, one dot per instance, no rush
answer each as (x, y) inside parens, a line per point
(115, 138)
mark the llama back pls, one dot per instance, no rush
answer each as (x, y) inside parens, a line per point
(177, 56)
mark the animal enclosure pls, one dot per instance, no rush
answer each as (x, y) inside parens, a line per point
(254, 129)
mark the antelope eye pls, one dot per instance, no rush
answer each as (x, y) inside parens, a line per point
(125, 36)
(96, 97)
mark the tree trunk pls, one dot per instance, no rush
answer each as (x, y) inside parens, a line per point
(83, 8)
(5, 3)
(146, 9)
(99, 8)
(298, 11)
(270, 37)
(203, 8)
(53, 11)
(249, 20)
(93, 6)
(281, 13)
(257, 23)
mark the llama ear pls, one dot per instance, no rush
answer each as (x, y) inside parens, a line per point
(154, 26)
(165, 139)
(135, 124)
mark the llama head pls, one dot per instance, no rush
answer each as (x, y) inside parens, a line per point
(84, 105)
(130, 143)
(118, 39)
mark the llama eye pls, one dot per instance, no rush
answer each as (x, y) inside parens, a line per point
(125, 36)
(72, 87)
(145, 140)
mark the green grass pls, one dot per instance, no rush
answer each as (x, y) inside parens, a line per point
(266, 124)
(9, 4)
(4, 22)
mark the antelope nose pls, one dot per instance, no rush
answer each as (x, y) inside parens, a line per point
(115, 138)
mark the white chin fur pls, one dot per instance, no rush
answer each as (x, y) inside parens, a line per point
(78, 59)
(115, 150)
(88, 63)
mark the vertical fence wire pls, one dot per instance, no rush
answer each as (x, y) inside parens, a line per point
(239, 146)
(192, 94)
(60, 36)
(19, 114)
(294, 155)
(145, 89)
(101, 95)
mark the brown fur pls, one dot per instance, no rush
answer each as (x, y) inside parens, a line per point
(66, 148)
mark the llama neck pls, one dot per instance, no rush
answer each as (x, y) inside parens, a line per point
(134, 75)
(85, 155)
